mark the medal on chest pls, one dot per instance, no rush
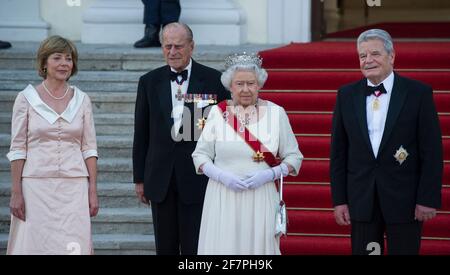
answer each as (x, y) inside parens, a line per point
(376, 104)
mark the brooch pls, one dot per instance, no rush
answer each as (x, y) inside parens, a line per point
(258, 156)
(401, 155)
(201, 123)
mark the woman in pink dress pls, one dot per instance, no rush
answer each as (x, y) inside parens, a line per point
(53, 158)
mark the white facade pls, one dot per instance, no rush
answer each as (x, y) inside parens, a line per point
(214, 22)
(20, 20)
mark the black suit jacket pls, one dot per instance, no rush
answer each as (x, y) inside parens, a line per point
(411, 122)
(156, 154)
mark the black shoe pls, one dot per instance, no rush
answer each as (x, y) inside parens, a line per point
(150, 39)
(4, 45)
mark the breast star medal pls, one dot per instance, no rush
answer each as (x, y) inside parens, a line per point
(401, 155)
(201, 123)
(258, 156)
(376, 104)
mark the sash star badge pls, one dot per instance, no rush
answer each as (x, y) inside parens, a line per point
(401, 155)
(201, 123)
(258, 156)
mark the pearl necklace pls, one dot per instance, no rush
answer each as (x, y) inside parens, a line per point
(54, 97)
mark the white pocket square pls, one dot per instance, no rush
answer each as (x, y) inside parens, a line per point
(202, 103)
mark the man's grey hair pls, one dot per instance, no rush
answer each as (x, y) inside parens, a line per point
(190, 34)
(379, 34)
(228, 74)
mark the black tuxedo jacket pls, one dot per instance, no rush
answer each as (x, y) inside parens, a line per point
(411, 122)
(156, 154)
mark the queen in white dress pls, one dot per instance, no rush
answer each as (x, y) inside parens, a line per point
(241, 198)
(53, 158)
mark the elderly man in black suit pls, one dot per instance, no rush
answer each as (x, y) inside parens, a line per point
(386, 153)
(171, 107)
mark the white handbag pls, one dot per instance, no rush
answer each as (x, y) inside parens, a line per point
(281, 219)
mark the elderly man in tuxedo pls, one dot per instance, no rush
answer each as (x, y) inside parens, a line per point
(386, 153)
(171, 107)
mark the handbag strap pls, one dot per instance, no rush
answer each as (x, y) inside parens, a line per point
(280, 190)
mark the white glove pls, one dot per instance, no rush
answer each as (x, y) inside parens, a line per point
(228, 179)
(258, 178)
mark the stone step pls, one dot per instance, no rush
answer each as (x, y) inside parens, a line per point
(117, 170)
(111, 244)
(111, 195)
(108, 146)
(93, 59)
(119, 102)
(103, 57)
(80, 77)
(88, 81)
(105, 124)
(124, 244)
(108, 221)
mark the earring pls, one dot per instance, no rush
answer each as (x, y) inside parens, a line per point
(45, 70)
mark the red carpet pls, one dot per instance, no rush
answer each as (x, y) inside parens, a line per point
(318, 196)
(321, 123)
(332, 80)
(342, 55)
(322, 222)
(324, 101)
(401, 30)
(304, 78)
(319, 147)
(314, 245)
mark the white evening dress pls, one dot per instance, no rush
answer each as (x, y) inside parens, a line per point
(242, 223)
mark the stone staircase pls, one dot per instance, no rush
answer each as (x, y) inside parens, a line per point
(109, 74)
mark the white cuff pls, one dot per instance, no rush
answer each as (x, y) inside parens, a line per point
(90, 153)
(15, 155)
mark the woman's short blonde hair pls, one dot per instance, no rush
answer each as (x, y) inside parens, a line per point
(55, 44)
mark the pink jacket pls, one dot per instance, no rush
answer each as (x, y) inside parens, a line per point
(53, 145)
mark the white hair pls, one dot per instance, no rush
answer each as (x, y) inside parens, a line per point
(379, 34)
(173, 25)
(228, 74)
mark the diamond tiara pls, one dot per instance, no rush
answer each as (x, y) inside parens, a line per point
(243, 59)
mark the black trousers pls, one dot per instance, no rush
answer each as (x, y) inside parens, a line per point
(161, 12)
(402, 239)
(176, 224)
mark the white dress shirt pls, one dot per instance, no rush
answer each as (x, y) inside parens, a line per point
(178, 105)
(376, 119)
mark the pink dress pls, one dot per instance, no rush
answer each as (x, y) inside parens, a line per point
(54, 177)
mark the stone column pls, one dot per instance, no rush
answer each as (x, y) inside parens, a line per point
(289, 21)
(20, 20)
(213, 22)
(332, 15)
